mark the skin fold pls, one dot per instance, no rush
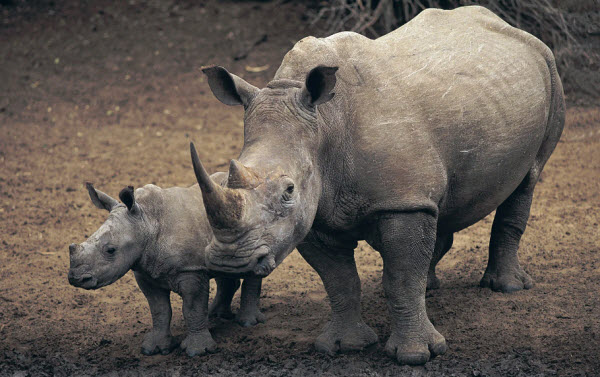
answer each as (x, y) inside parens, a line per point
(400, 141)
(161, 235)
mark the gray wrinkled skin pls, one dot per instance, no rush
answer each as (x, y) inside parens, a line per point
(161, 235)
(401, 141)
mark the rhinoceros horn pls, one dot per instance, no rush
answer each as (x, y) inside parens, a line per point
(241, 177)
(223, 205)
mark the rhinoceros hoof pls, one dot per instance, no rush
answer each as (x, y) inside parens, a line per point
(250, 318)
(199, 344)
(156, 342)
(416, 347)
(506, 282)
(342, 336)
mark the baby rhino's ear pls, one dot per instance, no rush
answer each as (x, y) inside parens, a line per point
(100, 199)
(127, 197)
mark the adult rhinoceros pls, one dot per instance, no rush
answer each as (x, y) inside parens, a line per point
(400, 141)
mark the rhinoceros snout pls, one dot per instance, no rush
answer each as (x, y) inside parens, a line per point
(85, 280)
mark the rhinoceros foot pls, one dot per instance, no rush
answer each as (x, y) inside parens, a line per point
(158, 342)
(341, 336)
(199, 344)
(416, 346)
(250, 317)
(506, 281)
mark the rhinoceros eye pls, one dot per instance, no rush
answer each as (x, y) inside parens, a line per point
(110, 250)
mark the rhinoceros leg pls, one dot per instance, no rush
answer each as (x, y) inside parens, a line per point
(406, 242)
(221, 305)
(443, 243)
(159, 339)
(346, 330)
(503, 272)
(250, 314)
(194, 288)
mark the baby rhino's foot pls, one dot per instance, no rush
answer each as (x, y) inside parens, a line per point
(506, 281)
(416, 344)
(248, 318)
(158, 342)
(344, 336)
(199, 344)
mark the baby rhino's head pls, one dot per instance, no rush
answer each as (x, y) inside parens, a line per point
(115, 247)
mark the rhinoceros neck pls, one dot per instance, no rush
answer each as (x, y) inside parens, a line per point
(177, 231)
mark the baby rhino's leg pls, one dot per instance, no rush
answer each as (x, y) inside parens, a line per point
(221, 305)
(194, 288)
(159, 339)
(250, 314)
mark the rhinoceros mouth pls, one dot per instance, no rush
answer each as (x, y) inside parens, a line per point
(240, 262)
(85, 281)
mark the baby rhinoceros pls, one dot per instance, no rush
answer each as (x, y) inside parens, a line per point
(161, 235)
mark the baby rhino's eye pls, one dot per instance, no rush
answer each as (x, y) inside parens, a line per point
(290, 189)
(110, 250)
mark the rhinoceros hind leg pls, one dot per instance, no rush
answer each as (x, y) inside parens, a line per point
(443, 243)
(346, 330)
(503, 272)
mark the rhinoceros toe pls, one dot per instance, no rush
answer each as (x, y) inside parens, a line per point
(199, 344)
(416, 347)
(342, 336)
(156, 342)
(250, 318)
(506, 282)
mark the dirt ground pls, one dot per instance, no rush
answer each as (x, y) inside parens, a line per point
(111, 92)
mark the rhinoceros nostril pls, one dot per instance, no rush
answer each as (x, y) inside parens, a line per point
(72, 248)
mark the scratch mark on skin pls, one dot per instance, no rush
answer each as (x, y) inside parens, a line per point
(418, 70)
(467, 150)
(446, 92)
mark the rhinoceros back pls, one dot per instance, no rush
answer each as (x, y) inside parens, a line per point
(454, 105)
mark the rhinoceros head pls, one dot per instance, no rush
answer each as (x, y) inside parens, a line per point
(114, 248)
(269, 201)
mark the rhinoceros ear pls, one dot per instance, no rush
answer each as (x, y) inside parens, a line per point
(100, 199)
(319, 83)
(127, 197)
(228, 88)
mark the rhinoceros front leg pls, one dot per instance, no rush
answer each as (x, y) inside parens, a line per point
(194, 291)
(503, 272)
(221, 305)
(250, 314)
(406, 243)
(159, 339)
(346, 330)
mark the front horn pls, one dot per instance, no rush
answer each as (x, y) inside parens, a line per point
(223, 205)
